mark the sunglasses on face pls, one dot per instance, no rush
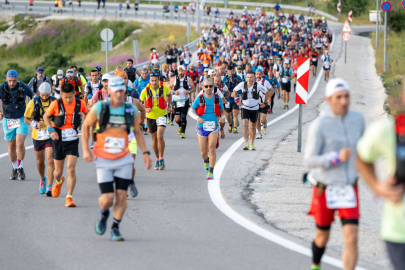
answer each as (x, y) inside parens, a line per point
(208, 86)
(154, 74)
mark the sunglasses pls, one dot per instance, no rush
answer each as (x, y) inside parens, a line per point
(208, 86)
(154, 74)
(117, 83)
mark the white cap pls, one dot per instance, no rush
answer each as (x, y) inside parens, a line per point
(211, 71)
(116, 83)
(59, 73)
(45, 88)
(69, 72)
(253, 62)
(106, 77)
(154, 50)
(286, 62)
(336, 85)
(181, 67)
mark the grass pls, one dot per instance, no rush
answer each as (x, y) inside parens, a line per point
(394, 77)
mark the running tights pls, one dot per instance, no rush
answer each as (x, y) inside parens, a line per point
(183, 118)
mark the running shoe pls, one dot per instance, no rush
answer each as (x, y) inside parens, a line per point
(210, 176)
(133, 190)
(252, 146)
(313, 267)
(222, 134)
(259, 136)
(246, 146)
(206, 166)
(14, 174)
(162, 165)
(157, 164)
(168, 121)
(183, 135)
(42, 187)
(69, 202)
(57, 187)
(116, 235)
(230, 129)
(286, 107)
(171, 123)
(101, 224)
(265, 130)
(235, 130)
(21, 174)
(49, 191)
(179, 131)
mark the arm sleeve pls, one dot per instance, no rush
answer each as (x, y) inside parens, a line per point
(31, 83)
(315, 142)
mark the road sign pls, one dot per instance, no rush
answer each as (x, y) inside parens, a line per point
(338, 6)
(346, 37)
(104, 46)
(107, 34)
(301, 96)
(347, 28)
(386, 6)
(403, 3)
(350, 16)
(136, 51)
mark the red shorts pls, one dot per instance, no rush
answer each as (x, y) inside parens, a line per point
(324, 216)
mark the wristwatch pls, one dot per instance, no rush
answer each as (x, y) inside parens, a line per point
(146, 152)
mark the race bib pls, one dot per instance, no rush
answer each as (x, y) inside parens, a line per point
(274, 50)
(169, 57)
(13, 123)
(209, 126)
(227, 105)
(43, 135)
(284, 80)
(180, 104)
(69, 135)
(114, 145)
(314, 59)
(161, 121)
(338, 197)
(186, 61)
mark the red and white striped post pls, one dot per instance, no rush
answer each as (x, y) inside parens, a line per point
(301, 96)
(338, 9)
(350, 16)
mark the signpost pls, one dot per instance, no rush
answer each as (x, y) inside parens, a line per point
(377, 33)
(386, 7)
(346, 35)
(301, 96)
(136, 51)
(339, 9)
(188, 32)
(106, 35)
(350, 16)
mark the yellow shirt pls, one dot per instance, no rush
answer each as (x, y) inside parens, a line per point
(29, 113)
(156, 111)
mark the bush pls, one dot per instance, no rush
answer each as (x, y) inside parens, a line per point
(50, 71)
(55, 59)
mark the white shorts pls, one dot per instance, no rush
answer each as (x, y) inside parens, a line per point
(108, 169)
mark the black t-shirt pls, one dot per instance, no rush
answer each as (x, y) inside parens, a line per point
(174, 53)
(169, 52)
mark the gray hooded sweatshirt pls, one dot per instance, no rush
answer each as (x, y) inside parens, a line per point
(330, 133)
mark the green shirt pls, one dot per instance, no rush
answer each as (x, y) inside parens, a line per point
(379, 141)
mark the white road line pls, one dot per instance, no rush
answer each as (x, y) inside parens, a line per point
(217, 198)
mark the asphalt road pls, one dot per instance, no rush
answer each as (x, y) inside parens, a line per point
(172, 224)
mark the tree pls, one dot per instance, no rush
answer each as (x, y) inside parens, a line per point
(57, 60)
(358, 7)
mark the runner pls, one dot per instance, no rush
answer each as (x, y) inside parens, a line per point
(102, 94)
(286, 74)
(37, 80)
(193, 74)
(156, 96)
(131, 71)
(181, 87)
(222, 91)
(326, 62)
(330, 154)
(74, 81)
(207, 108)
(314, 62)
(13, 94)
(231, 80)
(114, 161)
(57, 79)
(92, 87)
(250, 99)
(67, 113)
(263, 104)
(275, 85)
(40, 136)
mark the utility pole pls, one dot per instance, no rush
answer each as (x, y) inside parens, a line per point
(377, 32)
(385, 41)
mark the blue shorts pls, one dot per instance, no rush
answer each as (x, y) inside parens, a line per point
(274, 53)
(203, 133)
(10, 134)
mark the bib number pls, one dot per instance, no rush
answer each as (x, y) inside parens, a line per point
(227, 105)
(284, 80)
(13, 123)
(114, 145)
(43, 135)
(209, 126)
(338, 197)
(69, 135)
(180, 104)
(314, 59)
(161, 121)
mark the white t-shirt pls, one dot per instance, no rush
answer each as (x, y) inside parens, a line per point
(206, 33)
(242, 75)
(326, 59)
(94, 88)
(250, 103)
(266, 85)
(186, 56)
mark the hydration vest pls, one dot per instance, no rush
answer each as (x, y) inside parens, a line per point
(20, 94)
(131, 73)
(327, 58)
(221, 88)
(65, 81)
(177, 85)
(57, 85)
(35, 83)
(201, 109)
(90, 89)
(193, 75)
(255, 93)
(100, 94)
(37, 115)
(104, 117)
(60, 120)
(400, 149)
(161, 98)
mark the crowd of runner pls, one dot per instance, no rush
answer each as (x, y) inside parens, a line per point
(241, 68)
